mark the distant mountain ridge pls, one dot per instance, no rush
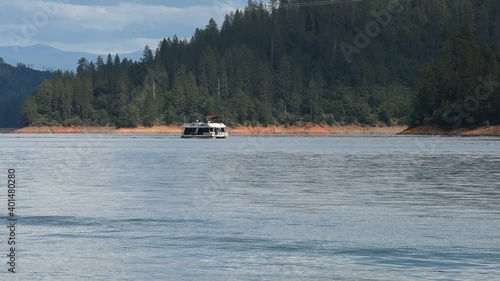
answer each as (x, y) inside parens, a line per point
(43, 57)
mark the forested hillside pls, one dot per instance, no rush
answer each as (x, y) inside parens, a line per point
(462, 87)
(16, 83)
(340, 63)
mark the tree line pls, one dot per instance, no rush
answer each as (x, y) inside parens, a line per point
(287, 66)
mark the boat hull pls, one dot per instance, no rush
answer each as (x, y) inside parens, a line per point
(204, 137)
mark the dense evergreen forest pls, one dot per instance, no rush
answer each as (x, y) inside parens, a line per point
(16, 83)
(369, 62)
(462, 87)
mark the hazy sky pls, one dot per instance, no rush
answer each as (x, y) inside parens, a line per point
(105, 26)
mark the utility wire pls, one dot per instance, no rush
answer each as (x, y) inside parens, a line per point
(274, 5)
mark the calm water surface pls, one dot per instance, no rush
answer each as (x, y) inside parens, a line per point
(94, 207)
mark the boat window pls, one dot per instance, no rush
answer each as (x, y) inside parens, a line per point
(201, 131)
(222, 130)
(189, 131)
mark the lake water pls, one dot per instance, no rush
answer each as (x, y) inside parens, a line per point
(94, 207)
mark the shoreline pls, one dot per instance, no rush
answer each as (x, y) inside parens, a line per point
(430, 130)
(308, 129)
(7, 130)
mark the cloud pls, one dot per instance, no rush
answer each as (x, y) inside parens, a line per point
(124, 15)
(83, 26)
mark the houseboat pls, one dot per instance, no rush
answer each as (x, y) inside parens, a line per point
(211, 128)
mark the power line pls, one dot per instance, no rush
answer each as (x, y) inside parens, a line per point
(276, 5)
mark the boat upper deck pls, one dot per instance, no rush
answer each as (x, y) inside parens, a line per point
(204, 124)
